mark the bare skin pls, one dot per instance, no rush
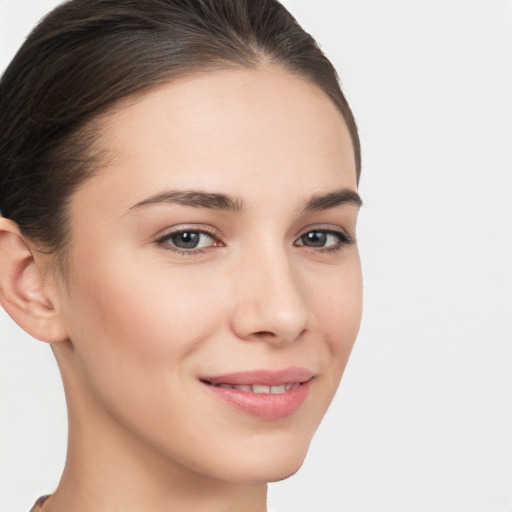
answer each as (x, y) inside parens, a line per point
(140, 319)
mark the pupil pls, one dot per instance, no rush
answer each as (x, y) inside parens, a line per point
(186, 240)
(314, 239)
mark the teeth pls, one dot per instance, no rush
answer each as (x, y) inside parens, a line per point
(243, 387)
(258, 388)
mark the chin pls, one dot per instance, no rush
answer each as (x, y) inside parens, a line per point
(271, 472)
(266, 465)
(284, 473)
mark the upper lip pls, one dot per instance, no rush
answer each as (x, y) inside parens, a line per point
(262, 377)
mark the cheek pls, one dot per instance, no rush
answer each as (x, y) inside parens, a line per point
(338, 309)
(138, 330)
(136, 323)
(144, 307)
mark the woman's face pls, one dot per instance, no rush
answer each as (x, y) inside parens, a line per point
(216, 248)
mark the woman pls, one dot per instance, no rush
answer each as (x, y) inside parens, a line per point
(178, 188)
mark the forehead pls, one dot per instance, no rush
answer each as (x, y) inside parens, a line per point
(225, 131)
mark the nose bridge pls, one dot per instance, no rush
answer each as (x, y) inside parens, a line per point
(270, 302)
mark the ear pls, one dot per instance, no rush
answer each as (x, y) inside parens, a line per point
(29, 299)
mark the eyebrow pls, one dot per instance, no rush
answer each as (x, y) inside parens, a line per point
(223, 202)
(332, 199)
(196, 199)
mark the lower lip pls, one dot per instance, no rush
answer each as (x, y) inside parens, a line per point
(265, 406)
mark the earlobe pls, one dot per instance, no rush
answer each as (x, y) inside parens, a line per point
(23, 291)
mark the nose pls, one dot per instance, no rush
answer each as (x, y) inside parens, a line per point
(270, 302)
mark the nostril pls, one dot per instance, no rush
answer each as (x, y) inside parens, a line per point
(266, 334)
(275, 337)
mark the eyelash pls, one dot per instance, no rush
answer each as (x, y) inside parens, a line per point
(163, 241)
(344, 239)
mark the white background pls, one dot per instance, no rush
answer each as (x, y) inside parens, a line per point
(423, 419)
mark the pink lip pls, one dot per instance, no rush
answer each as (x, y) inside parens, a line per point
(266, 406)
(263, 377)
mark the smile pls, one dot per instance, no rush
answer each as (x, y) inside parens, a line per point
(258, 388)
(267, 395)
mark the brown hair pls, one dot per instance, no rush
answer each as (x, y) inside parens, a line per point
(87, 55)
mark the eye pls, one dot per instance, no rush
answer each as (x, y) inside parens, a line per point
(324, 239)
(187, 240)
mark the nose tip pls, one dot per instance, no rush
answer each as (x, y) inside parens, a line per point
(271, 308)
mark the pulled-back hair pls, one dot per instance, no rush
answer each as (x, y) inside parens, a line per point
(87, 55)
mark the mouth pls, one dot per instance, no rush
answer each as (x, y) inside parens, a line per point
(264, 394)
(257, 388)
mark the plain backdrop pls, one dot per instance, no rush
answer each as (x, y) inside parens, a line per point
(423, 419)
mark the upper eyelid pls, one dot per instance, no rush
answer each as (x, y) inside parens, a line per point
(323, 227)
(325, 230)
(201, 228)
